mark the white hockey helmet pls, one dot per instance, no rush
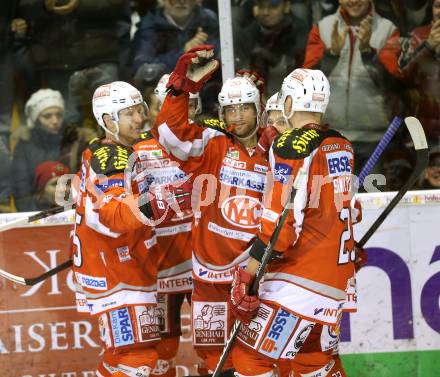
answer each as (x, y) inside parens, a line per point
(112, 98)
(160, 91)
(274, 103)
(239, 90)
(309, 90)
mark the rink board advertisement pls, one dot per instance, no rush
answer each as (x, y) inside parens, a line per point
(396, 331)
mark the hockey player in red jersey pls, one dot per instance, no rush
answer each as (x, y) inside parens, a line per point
(297, 312)
(114, 272)
(173, 249)
(231, 177)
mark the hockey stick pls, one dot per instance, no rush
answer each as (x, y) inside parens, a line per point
(38, 279)
(38, 216)
(422, 155)
(383, 143)
(260, 272)
(27, 220)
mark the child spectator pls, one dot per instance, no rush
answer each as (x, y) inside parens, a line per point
(45, 182)
(39, 141)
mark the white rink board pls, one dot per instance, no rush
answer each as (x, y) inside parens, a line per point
(410, 235)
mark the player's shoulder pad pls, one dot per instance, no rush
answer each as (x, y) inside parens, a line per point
(109, 159)
(297, 143)
(215, 124)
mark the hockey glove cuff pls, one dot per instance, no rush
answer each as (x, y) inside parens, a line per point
(193, 69)
(244, 307)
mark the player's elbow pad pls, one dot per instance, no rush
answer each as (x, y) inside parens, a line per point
(258, 249)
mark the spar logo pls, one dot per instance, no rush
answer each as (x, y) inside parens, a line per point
(243, 211)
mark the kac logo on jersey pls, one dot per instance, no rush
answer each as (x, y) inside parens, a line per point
(242, 211)
(282, 173)
(338, 163)
(122, 328)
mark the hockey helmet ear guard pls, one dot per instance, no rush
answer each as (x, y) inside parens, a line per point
(309, 90)
(111, 99)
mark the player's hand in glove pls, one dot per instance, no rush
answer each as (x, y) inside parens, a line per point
(256, 78)
(193, 69)
(265, 141)
(361, 257)
(162, 203)
(244, 307)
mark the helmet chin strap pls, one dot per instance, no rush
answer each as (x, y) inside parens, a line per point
(114, 134)
(246, 138)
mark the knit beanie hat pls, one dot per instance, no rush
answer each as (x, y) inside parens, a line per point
(39, 101)
(46, 171)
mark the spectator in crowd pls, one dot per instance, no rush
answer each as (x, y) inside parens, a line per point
(39, 142)
(349, 46)
(73, 36)
(168, 32)
(397, 166)
(420, 65)
(431, 179)
(10, 27)
(272, 43)
(405, 14)
(45, 183)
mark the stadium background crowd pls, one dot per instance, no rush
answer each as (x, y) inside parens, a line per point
(382, 59)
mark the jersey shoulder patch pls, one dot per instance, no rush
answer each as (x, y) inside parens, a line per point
(216, 124)
(147, 135)
(109, 159)
(297, 143)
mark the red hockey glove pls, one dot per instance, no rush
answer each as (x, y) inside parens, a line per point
(265, 141)
(258, 80)
(165, 202)
(244, 307)
(361, 257)
(193, 69)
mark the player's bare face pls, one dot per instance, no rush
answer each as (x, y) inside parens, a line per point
(154, 106)
(277, 120)
(436, 10)
(179, 10)
(269, 15)
(242, 118)
(131, 123)
(192, 108)
(51, 119)
(433, 171)
(356, 9)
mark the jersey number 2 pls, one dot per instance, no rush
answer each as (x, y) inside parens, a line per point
(345, 255)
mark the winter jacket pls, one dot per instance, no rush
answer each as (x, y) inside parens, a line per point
(273, 52)
(357, 101)
(28, 154)
(7, 14)
(157, 41)
(420, 66)
(83, 38)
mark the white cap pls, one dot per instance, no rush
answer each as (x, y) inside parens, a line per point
(40, 101)
(309, 90)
